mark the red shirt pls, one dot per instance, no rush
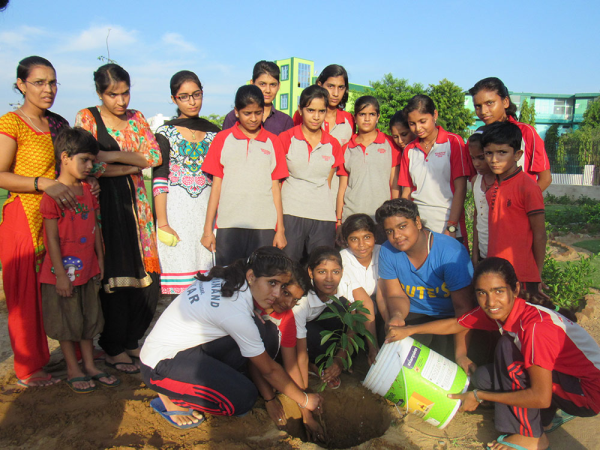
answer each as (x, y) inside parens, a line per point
(535, 159)
(285, 322)
(511, 202)
(551, 341)
(77, 233)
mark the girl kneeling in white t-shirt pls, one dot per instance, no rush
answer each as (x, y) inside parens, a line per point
(195, 354)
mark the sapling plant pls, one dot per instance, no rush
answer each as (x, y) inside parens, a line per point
(346, 341)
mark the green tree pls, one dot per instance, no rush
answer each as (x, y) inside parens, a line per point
(216, 119)
(393, 94)
(527, 113)
(591, 116)
(450, 102)
(551, 139)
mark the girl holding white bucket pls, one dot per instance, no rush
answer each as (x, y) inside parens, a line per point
(531, 377)
(424, 275)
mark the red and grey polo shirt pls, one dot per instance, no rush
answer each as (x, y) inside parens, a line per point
(306, 192)
(343, 129)
(247, 167)
(431, 176)
(551, 341)
(369, 170)
(535, 159)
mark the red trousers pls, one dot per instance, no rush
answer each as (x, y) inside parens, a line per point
(22, 289)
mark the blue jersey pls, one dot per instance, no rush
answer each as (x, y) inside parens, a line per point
(447, 268)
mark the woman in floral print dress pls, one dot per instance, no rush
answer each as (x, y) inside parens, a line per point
(181, 190)
(131, 276)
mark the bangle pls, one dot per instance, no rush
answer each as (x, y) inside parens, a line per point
(475, 395)
(270, 400)
(35, 184)
(305, 403)
(451, 222)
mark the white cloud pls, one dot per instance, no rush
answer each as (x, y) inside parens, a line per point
(177, 40)
(94, 38)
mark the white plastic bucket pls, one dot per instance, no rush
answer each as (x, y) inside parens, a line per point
(417, 379)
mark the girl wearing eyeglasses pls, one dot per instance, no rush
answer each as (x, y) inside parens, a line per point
(181, 190)
(27, 170)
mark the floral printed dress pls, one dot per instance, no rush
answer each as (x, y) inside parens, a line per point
(180, 177)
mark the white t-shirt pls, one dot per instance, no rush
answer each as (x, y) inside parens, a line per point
(307, 309)
(357, 276)
(200, 315)
(482, 208)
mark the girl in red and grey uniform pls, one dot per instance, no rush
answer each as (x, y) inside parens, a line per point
(194, 354)
(247, 163)
(493, 104)
(371, 163)
(312, 157)
(543, 361)
(434, 170)
(400, 131)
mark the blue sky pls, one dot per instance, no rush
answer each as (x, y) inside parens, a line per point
(549, 47)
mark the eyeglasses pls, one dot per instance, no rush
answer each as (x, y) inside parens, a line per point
(53, 84)
(186, 97)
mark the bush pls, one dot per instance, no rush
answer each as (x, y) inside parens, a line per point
(568, 282)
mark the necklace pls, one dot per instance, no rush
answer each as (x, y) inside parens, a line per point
(34, 125)
(487, 186)
(193, 134)
(112, 126)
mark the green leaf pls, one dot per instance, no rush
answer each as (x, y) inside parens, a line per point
(327, 315)
(361, 318)
(354, 343)
(370, 337)
(331, 350)
(344, 341)
(359, 341)
(345, 364)
(321, 387)
(326, 335)
(319, 358)
(349, 320)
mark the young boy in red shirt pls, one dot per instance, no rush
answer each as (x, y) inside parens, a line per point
(517, 229)
(73, 267)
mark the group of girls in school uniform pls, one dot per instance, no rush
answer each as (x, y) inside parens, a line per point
(266, 190)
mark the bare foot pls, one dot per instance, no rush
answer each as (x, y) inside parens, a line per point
(530, 443)
(38, 379)
(178, 419)
(123, 363)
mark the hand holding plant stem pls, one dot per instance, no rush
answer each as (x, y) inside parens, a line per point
(344, 342)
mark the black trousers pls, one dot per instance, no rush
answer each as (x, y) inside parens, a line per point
(304, 235)
(127, 315)
(236, 243)
(508, 373)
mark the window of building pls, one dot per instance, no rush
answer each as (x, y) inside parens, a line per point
(285, 72)
(563, 107)
(303, 75)
(284, 101)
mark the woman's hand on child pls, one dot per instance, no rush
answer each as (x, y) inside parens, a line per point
(64, 287)
(94, 185)
(469, 403)
(62, 195)
(209, 242)
(279, 240)
(276, 412)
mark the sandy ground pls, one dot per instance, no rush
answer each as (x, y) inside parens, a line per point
(58, 419)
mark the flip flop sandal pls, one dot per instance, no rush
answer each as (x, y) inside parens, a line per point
(560, 418)
(114, 366)
(158, 406)
(77, 390)
(104, 383)
(500, 440)
(25, 383)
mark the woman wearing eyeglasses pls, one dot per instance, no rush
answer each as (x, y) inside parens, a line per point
(181, 190)
(27, 170)
(130, 288)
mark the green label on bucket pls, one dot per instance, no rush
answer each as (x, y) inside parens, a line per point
(423, 383)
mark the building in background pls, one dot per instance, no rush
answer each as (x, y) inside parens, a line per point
(562, 109)
(298, 74)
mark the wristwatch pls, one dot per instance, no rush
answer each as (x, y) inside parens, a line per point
(476, 397)
(451, 228)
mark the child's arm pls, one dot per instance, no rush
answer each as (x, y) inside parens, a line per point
(398, 303)
(64, 287)
(340, 197)
(394, 188)
(99, 247)
(279, 240)
(538, 228)
(361, 295)
(118, 170)
(406, 191)
(544, 179)
(475, 252)
(441, 327)
(162, 221)
(208, 237)
(458, 202)
(302, 350)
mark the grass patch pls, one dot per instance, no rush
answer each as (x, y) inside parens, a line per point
(592, 245)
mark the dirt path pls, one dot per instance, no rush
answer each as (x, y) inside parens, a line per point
(58, 419)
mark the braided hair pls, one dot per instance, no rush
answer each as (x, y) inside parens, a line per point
(264, 262)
